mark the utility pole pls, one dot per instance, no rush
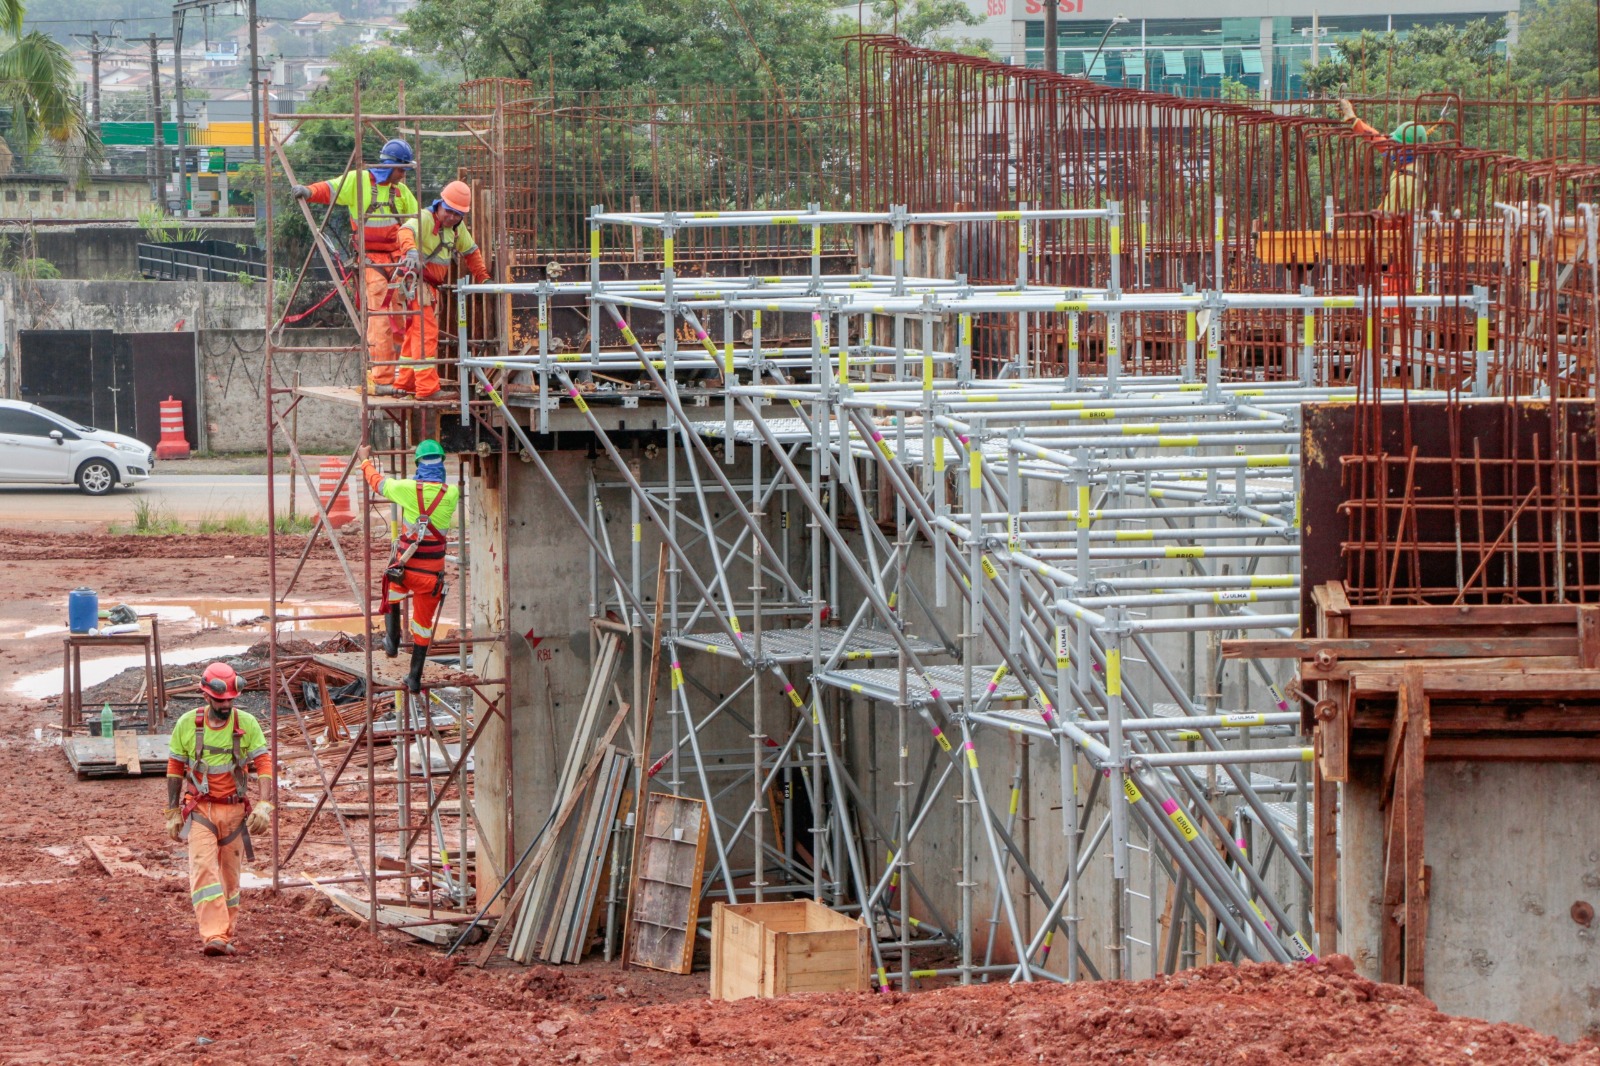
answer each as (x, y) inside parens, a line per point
(95, 52)
(158, 178)
(179, 9)
(1052, 37)
(177, 88)
(256, 102)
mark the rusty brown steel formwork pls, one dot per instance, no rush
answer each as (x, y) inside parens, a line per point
(1237, 197)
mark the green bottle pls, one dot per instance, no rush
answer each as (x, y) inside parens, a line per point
(108, 724)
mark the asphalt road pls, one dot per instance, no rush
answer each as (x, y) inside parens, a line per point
(184, 497)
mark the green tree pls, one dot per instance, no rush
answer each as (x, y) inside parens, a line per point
(324, 148)
(615, 44)
(1425, 59)
(38, 91)
(1556, 47)
(925, 23)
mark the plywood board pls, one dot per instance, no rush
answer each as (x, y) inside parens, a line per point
(665, 893)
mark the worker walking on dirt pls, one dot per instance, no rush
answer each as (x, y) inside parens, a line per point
(428, 506)
(211, 755)
(429, 241)
(378, 202)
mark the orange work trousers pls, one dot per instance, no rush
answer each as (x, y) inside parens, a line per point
(214, 868)
(382, 330)
(422, 342)
(426, 589)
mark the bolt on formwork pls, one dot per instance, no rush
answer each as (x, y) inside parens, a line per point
(386, 773)
(1029, 560)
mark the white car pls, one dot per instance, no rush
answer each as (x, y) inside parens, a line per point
(45, 448)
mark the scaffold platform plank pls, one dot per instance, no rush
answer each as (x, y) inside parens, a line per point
(884, 685)
(391, 673)
(350, 396)
(797, 645)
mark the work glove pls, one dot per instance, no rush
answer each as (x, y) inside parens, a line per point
(1347, 110)
(174, 822)
(411, 261)
(300, 192)
(259, 820)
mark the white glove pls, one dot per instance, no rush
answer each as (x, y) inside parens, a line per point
(300, 192)
(411, 261)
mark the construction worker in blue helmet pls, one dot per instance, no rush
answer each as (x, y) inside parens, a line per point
(379, 202)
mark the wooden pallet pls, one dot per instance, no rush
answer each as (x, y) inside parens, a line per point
(100, 757)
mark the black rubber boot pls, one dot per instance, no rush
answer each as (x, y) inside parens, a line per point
(391, 631)
(419, 655)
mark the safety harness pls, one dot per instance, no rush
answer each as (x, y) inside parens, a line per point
(197, 777)
(418, 540)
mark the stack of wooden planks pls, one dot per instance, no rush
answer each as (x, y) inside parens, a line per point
(554, 924)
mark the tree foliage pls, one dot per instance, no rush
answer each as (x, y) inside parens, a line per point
(925, 23)
(37, 91)
(1556, 49)
(1426, 59)
(324, 148)
(616, 44)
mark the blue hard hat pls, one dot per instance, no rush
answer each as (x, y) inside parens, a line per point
(398, 154)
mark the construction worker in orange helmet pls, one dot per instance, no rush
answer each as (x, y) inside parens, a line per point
(211, 755)
(428, 505)
(378, 201)
(428, 243)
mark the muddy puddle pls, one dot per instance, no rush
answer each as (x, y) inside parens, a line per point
(99, 668)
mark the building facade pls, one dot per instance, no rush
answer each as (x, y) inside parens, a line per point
(1172, 46)
(53, 197)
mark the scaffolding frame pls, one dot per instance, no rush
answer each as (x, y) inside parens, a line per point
(443, 722)
(1185, 472)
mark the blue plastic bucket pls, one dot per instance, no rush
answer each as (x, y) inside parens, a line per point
(83, 610)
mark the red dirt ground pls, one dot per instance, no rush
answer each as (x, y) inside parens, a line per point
(101, 969)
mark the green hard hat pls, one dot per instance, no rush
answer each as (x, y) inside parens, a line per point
(429, 449)
(1410, 133)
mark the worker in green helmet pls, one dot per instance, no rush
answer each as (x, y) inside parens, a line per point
(1404, 193)
(428, 506)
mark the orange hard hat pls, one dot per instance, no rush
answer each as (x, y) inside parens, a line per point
(220, 682)
(457, 196)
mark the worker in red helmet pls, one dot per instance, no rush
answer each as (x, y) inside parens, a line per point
(213, 751)
(428, 243)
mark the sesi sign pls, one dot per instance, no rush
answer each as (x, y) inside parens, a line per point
(1065, 7)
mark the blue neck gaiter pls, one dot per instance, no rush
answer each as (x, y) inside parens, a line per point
(431, 470)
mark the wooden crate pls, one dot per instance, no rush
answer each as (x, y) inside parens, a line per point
(774, 949)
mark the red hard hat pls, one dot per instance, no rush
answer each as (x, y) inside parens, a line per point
(457, 196)
(220, 682)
